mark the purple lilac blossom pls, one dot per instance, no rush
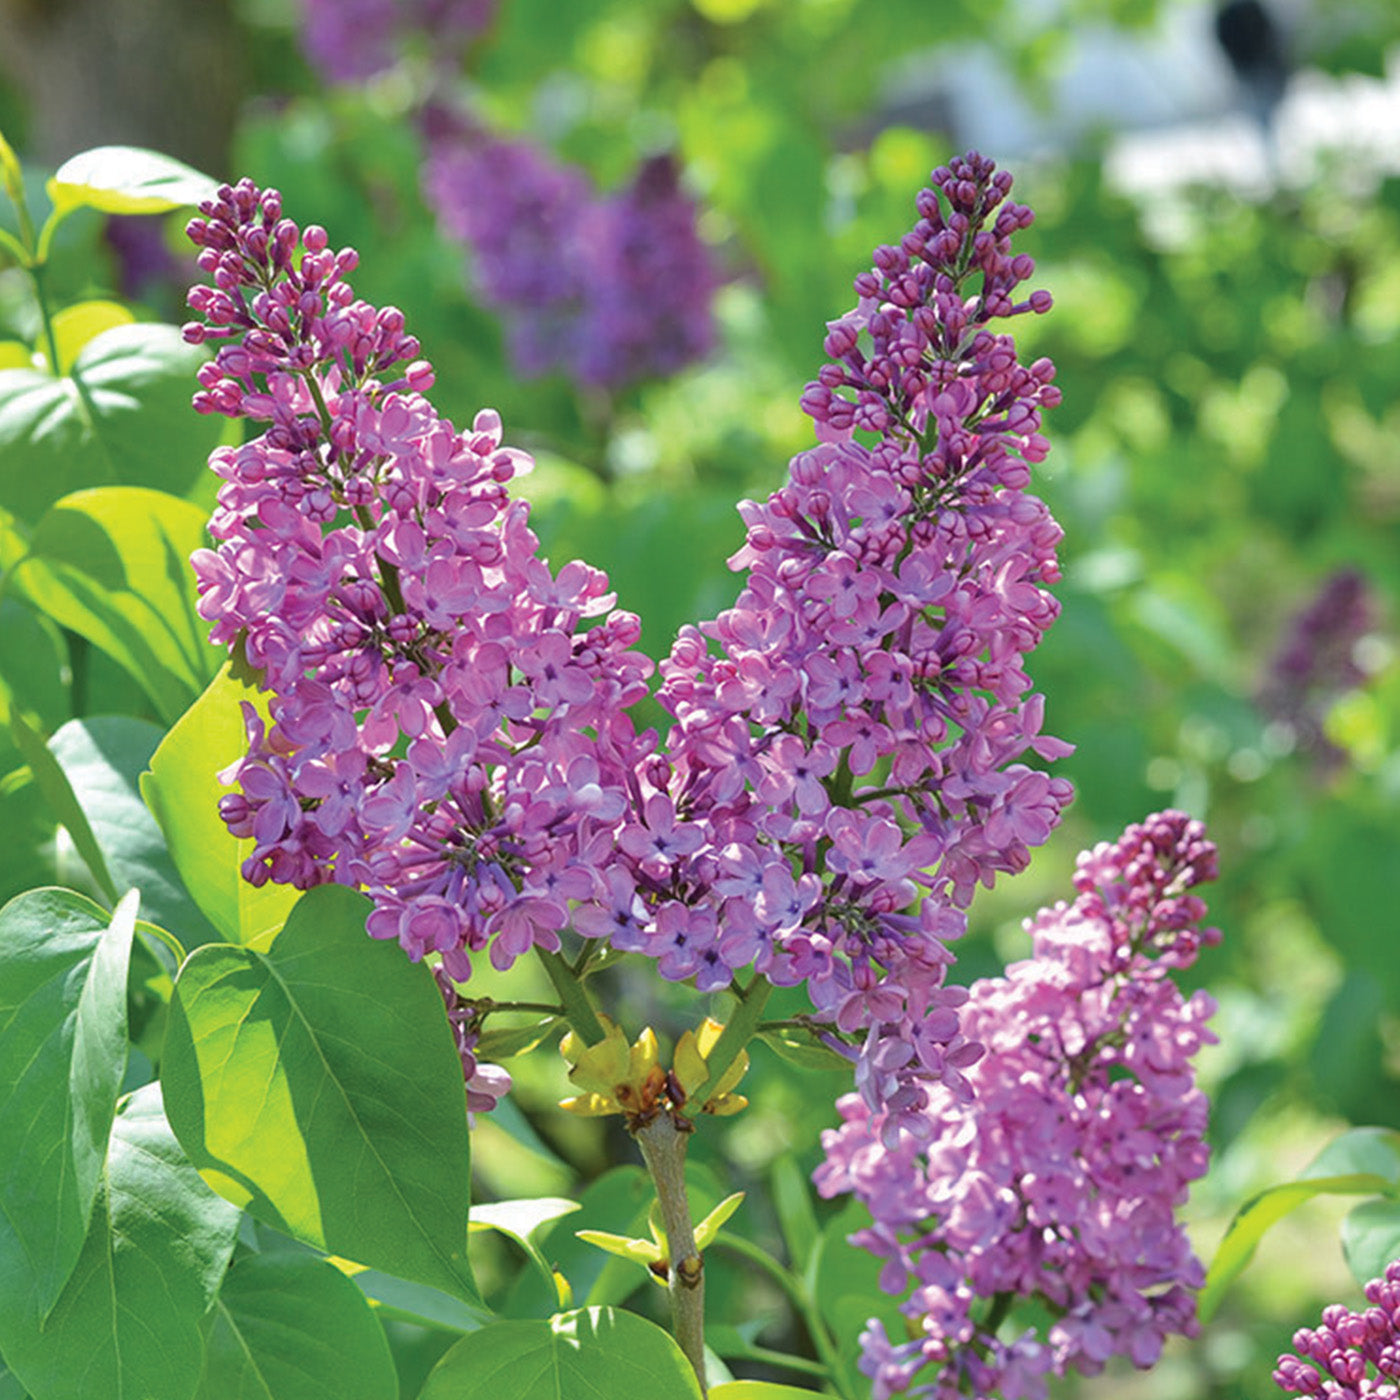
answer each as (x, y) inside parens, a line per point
(486, 1084)
(1335, 1361)
(446, 733)
(606, 289)
(348, 41)
(849, 765)
(1060, 1180)
(1316, 662)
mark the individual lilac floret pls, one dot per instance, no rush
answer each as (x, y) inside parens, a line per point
(348, 41)
(1336, 1361)
(848, 755)
(1316, 662)
(447, 731)
(608, 290)
(1060, 1180)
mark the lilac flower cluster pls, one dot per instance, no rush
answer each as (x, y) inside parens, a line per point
(1335, 1361)
(608, 290)
(1061, 1179)
(849, 765)
(1316, 662)
(348, 41)
(447, 733)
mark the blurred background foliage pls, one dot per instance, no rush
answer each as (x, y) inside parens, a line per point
(1228, 342)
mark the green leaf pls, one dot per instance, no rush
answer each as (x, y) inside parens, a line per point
(112, 564)
(714, 1222)
(63, 968)
(10, 1388)
(103, 758)
(759, 1390)
(509, 1041)
(589, 1354)
(805, 1051)
(1371, 1238)
(792, 1199)
(129, 1321)
(33, 666)
(62, 801)
(1257, 1215)
(75, 325)
(1373, 1150)
(122, 417)
(293, 1327)
(417, 1303)
(313, 1078)
(182, 791)
(15, 354)
(127, 180)
(643, 1252)
(522, 1221)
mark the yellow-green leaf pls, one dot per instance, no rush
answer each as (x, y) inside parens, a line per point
(127, 180)
(75, 325)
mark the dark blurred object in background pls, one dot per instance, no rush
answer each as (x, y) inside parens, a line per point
(1255, 44)
(158, 73)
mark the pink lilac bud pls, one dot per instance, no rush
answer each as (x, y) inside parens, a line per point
(1060, 1179)
(1337, 1360)
(608, 290)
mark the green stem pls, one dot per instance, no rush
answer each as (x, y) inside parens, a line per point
(577, 1006)
(154, 931)
(738, 1031)
(663, 1150)
(36, 276)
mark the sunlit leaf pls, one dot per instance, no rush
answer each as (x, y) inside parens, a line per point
(312, 1077)
(182, 790)
(112, 564)
(75, 325)
(589, 1354)
(1371, 1238)
(127, 180)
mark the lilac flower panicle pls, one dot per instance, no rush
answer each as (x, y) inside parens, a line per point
(448, 713)
(607, 289)
(1061, 1178)
(1352, 1355)
(848, 758)
(848, 755)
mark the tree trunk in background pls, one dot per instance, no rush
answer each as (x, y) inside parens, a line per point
(158, 73)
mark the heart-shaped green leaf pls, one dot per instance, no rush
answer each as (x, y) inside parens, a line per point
(1371, 1238)
(590, 1354)
(63, 965)
(313, 1078)
(130, 1320)
(103, 759)
(75, 325)
(112, 564)
(293, 1327)
(122, 417)
(127, 180)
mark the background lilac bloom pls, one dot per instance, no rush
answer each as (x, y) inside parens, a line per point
(1060, 1178)
(608, 289)
(348, 41)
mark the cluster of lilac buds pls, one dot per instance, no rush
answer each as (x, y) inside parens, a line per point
(348, 41)
(606, 289)
(851, 764)
(1336, 1361)
(486, 1084)
(1060, 1181)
